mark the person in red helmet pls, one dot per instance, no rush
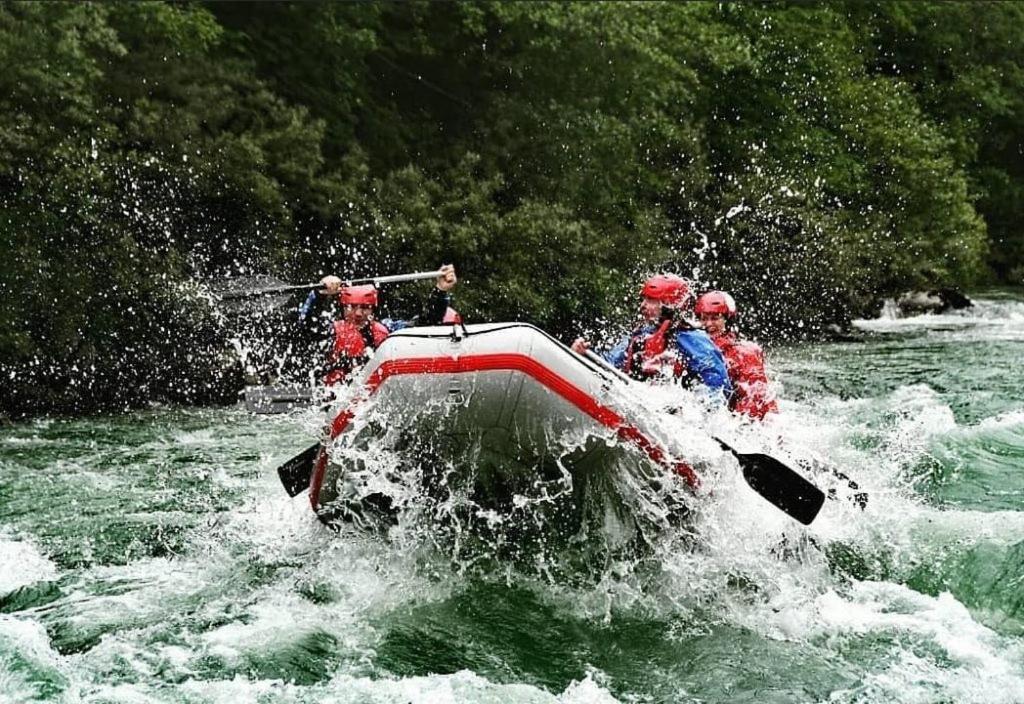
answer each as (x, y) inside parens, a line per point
(358, 333)
(664, 344)
(744, 359)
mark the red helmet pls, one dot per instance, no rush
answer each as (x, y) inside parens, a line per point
(673, 291)
(359, 295)
(716, 302)
(451, 317)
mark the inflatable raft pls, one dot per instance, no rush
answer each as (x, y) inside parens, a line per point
(506, 398)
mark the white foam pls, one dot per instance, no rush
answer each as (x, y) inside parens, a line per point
(32, 441)
(1010, 419)
(982, 665)
(456, 688)
(23, 565)
(935, 526)
(991, 318)
(587, 691)
(197, 438)
(24, 640)
(920, 416)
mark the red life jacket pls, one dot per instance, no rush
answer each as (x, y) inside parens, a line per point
(646, 353)
(351, 347)
(745, 361)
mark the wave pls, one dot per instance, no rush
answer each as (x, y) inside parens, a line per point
(24, 565)
(998, 317)
(934, 646)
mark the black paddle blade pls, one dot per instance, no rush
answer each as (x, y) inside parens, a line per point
(781, 486)
(296, 472)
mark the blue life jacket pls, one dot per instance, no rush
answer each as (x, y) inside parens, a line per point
(697, 356)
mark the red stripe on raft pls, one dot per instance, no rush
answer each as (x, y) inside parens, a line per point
(319, 468)
(502, 362)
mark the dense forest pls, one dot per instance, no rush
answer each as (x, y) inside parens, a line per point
(809, 158)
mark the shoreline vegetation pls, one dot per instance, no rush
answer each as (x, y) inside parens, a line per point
(811, 159)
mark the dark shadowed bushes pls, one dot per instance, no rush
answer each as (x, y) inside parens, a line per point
(810, 158)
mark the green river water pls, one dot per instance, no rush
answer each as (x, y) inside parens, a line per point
(153, 557)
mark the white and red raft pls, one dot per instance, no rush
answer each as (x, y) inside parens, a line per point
(492, 416)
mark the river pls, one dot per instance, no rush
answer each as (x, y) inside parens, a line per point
(153, 557)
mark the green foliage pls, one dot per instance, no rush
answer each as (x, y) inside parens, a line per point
(963, 63)
(810, 158)
(125, 171)
(821, 200)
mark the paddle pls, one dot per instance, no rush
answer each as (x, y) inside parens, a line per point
(296, 472)
(777, 483)
(376, 281)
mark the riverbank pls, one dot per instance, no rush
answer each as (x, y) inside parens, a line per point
(214, 354)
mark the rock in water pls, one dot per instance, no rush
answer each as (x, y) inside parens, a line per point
(933, 301)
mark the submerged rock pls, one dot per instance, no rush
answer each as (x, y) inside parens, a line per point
(933, 301)
(841, 333)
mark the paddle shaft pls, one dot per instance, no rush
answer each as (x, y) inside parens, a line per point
(376, 281)
(601, 361)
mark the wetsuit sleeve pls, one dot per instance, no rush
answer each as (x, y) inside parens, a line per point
(392, 325)
(314, 320)
(704, 360)
(307, 306)
(432, 314)
(616, 356)
(434, 307)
